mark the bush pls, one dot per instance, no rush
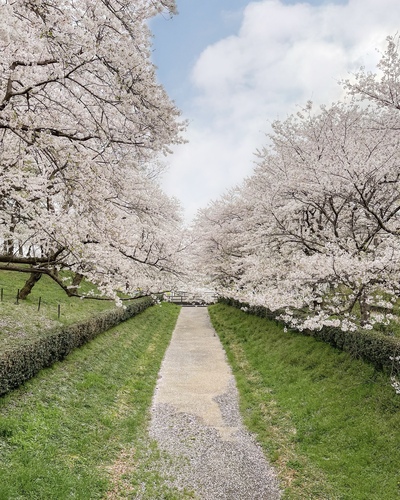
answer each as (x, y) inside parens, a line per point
(20, 364)
(369, 345)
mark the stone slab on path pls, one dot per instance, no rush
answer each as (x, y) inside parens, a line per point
(196, 420)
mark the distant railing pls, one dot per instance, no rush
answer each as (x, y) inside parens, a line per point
(189, 299)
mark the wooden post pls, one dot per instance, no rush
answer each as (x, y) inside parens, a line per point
(59, 310)
(40, 300)
(17, 297)
(1, 294)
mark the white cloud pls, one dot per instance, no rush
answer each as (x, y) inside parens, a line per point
(282, 56)
(204, 169)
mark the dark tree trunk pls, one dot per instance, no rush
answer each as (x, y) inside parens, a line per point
(8, 247)
(365, 309)
(75, 283)
(30, 283)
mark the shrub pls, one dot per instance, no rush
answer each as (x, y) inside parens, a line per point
(22, 363)
(369, 345)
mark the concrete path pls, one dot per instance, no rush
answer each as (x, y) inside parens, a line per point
(195, 418)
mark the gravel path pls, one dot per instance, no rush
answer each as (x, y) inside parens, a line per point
(196, 421)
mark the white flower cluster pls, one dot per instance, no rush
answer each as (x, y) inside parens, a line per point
(394, 381)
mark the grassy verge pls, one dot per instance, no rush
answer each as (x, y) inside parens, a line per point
(78, 429)
(329, 424)
(25, 318)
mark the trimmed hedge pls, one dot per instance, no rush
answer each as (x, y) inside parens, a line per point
(369, 345)
(22, 363)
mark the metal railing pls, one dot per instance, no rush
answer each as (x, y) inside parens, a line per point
(189, 299)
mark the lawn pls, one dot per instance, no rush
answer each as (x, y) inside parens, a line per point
(28, 316)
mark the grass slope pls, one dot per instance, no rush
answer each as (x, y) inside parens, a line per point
(329, 424)
(20, 321)
(78, 429)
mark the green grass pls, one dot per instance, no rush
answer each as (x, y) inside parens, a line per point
(19, 322)
(79, 429)
(328, 423)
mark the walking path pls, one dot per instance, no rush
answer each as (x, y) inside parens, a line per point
(195, 419)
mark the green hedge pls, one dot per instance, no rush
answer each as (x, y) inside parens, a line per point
(369, 345)
(22, 363)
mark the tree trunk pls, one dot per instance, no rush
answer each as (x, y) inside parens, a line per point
(8, 247)
(75, 283)
(30, 283)
(365, 309)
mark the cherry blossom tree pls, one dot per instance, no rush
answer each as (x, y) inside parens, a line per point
(337, 168)
(82, 124)
(218, 250)
(383, 87)
(318, 228)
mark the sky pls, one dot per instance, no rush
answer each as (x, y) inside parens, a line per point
(235, 66)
